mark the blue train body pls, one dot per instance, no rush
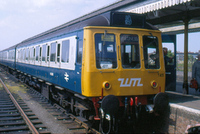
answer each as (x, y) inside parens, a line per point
(7, 57)
(65, 78)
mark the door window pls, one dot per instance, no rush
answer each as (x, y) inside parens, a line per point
(168, 52)
(151, 52)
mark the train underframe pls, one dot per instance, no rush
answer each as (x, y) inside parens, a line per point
(106, 113)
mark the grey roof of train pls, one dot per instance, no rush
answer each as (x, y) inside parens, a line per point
(10, 48)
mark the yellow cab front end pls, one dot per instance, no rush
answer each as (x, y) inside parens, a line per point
(122, 62)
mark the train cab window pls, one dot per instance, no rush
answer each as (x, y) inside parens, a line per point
(105, 49)
(130, 51)
(53, 52)
(151, 53)
(65, 51)
(44, 51)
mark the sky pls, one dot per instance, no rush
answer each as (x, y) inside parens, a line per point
(193, 42)
(22, 19)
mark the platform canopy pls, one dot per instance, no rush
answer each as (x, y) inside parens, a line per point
(169, 15)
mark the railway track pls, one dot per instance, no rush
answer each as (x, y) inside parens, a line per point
(73, 123)
(15, 116)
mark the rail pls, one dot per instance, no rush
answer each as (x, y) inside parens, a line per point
(28, 122)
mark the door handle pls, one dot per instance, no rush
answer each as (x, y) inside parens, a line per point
(168, 73)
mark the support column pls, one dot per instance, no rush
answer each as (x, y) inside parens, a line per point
(185, 84)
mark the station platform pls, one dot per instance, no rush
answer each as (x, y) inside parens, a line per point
(179, 97)
(190, 101)
(184, 111)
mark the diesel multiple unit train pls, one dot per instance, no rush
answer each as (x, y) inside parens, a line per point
(106, 68)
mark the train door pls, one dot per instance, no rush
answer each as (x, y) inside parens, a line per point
(169, 49)
(79, 63)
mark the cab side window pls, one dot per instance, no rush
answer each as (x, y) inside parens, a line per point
(80, 51)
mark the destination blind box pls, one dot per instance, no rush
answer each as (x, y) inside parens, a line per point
(125, 19)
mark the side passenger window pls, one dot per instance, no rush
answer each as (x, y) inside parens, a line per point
(65, 51)
(27, 54)
(44, 49)
(48, 50)
(53, 52)
(24, 54)
(40, 57)
(58, 53)
(37, 53)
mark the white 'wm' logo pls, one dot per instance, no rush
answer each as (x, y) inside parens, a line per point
(129, 82)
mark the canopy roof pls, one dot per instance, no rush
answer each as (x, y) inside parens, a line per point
(170, 13)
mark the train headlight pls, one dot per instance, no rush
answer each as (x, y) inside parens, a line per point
(106, 85)
(154, 84)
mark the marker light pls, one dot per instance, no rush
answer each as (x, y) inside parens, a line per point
(136, 101)
(131, 101)
(106, 85)
(154, 84)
